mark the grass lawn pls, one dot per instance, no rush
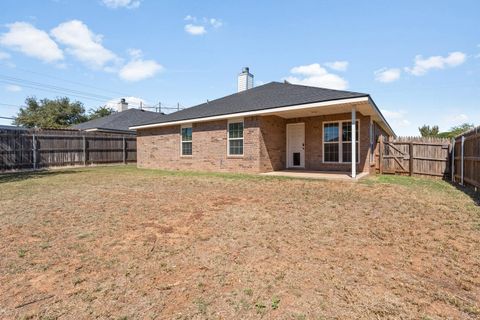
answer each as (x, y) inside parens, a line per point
(125, 243)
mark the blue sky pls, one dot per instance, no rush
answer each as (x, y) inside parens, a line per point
(420, 60)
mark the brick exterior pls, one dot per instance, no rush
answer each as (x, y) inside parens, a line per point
(160, 148)
(264, 146)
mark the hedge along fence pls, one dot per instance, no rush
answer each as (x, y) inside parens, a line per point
(466, 158)
(34, 149)
(427, 156)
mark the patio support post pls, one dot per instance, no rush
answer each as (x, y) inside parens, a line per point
(354, 145)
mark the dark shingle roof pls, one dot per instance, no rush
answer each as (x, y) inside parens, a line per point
(8, 127)
(119, 121)
(267, 96)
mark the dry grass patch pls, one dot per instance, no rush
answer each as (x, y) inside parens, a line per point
(123, 243)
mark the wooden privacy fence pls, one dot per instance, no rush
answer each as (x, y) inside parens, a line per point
(413, 156)
(35, 149)
(466, 158)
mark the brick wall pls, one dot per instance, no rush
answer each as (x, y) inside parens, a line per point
(264, 146)
(160, 148)
(272, 143)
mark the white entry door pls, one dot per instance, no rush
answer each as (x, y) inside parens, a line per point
(296, 145)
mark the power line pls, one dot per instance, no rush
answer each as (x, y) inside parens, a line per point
(70, 81)
(54, 87)
(59, 92)
(10, 105)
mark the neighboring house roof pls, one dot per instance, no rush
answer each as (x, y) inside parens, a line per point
(119, 121)
(265, 97)
(6, 127)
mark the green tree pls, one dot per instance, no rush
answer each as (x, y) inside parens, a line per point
(47, 113)
(457, 130)
(100, 112)
(427, 131)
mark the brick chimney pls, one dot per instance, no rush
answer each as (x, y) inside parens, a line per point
(122, 105)
(245, 80)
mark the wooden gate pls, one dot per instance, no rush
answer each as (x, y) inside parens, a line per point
(413, 156)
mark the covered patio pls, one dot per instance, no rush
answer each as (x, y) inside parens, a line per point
(330, 140)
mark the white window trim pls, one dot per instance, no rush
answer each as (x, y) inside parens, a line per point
(235, 120)
(340, 141)
(181, 140)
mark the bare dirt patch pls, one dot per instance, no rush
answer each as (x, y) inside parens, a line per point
(122, 243)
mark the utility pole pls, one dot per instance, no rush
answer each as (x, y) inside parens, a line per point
(159, 107)
(178, 106)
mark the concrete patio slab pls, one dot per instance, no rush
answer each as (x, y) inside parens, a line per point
(305, 174)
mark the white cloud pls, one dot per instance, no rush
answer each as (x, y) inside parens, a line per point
(460, 118)
(423, 65)
(216, 23)
(195, 30)
(33, 42)
(387, 74)
(129, 4)
(198, 27)
(317, 76)
(455, 118)
(83, 44)
(337, 65)
(139, 69)
(13, 88)
(133, 102)
(135, 53)
(397, 118)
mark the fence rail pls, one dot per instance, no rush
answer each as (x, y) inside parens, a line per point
(35, 149)
(413, 156)
(466, 158)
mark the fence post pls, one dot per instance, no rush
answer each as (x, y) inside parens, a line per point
(34, 150)
(124, 151)
(410, 162)
(462, 160)
(380, 155)
(452, 171)
(84, 151)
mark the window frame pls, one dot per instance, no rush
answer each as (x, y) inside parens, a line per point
(185, 126)
(340, 141)
(230, 121)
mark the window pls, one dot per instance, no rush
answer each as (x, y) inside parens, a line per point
(337, 141)
(330, 142)
(235, 138)
(186, 141)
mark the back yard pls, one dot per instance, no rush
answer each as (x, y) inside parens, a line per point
(124, 243)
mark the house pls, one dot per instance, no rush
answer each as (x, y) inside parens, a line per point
(271, 127)
(8, 127)
(118, 122)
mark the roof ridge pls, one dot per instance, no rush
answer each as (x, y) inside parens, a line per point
(329, 89)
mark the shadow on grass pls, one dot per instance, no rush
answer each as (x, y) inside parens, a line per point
(26, 175)
(469, 191)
